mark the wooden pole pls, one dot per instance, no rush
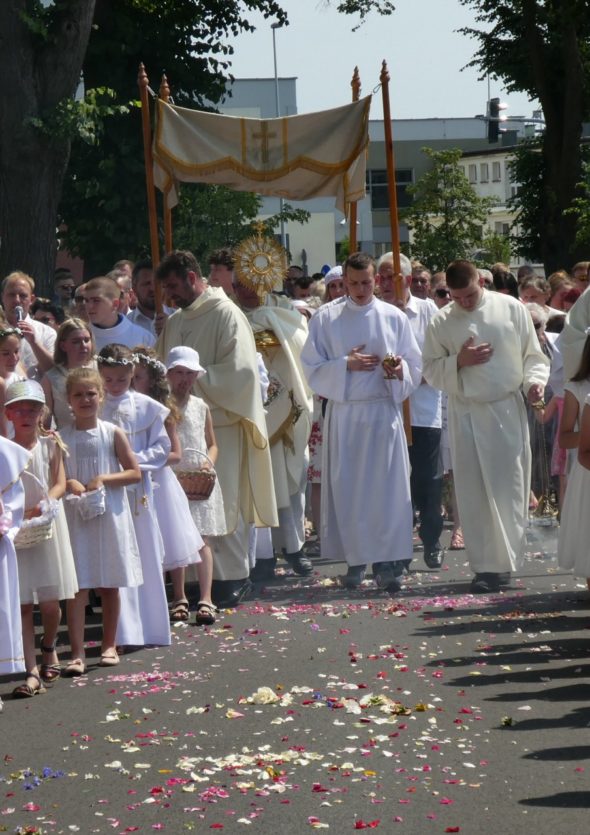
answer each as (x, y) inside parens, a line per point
(165, 96)
(352, 233)
(399, 279)
(143, 82)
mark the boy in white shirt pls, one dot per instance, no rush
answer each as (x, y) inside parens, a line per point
(107, 324)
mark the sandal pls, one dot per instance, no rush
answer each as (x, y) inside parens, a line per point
(109, 659)
(457, 541)
(25, 691)
(179, 611)
(49, 672)
(205, 615)
(74, 668)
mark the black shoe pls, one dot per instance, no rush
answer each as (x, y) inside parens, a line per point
(229, 593)
(299, 563)
(433, 557)
(387, 575)
(263, 571)
(354, 576)
(504, 578)
(485, 583)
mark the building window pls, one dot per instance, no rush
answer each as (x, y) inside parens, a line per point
(497, 172)
(473, 173)
(377, 187)
(484, 172)
(501, 228)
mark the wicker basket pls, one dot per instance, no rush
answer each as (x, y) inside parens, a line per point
(39, 528)
(198, 484)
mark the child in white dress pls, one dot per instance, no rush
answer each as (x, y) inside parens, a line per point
(144, 619)
(10, 367)
(104, 545)
(46, 569)
(183, 545)
(74, 348)
(573, 550)
(13, 460)
(195, 430)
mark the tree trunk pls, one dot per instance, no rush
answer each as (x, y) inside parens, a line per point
(38, 72)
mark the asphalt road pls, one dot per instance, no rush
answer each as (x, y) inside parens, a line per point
(431, 712)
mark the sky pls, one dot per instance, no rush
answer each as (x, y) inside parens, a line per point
(423, 50)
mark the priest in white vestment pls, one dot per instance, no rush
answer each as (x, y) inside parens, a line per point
(215, 327)
(280, 332)
(366, 505)
(483, 351)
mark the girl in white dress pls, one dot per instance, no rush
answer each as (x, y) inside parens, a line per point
(573, 550)
(144, 619)
(104, 546)
(46, 570)
(10, 367)
(183, 545)
(195, 431)
(74, 348)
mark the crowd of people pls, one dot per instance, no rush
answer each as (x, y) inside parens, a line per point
(206, 438)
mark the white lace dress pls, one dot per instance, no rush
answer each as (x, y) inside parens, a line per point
(208, 515)
(46, 571)
(105, 548)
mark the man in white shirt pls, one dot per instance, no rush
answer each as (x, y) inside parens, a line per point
(425, 415)
(144, 312)
(18, 294)
(108, 326)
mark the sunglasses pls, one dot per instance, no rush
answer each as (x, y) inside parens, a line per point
(441, 293)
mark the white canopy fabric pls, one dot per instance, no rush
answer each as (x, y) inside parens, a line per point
(296, 157)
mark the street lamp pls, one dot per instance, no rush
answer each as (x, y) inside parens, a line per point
(274, 27)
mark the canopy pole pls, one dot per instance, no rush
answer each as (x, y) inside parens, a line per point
(352, 233)
(143, 82)
(165, 96)
(399, 280)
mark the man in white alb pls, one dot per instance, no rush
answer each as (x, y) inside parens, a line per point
(482, 350)
(362, 356)
(425, 414)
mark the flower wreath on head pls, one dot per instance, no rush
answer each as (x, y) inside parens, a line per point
(152, 362)
(112, 361)
(10, 332)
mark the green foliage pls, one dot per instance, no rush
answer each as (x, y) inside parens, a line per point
(211, 217)
(365, 7)
(84, 119)
(494, 248)
(526, 168)
(103, 211)
(447, 215)
(580, 207)
(542, 47)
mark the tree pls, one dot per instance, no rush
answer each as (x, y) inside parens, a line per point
(541, 47)
(211, 217)
(446, 215)
(104, 208)
(44, 48)
(40, 61)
